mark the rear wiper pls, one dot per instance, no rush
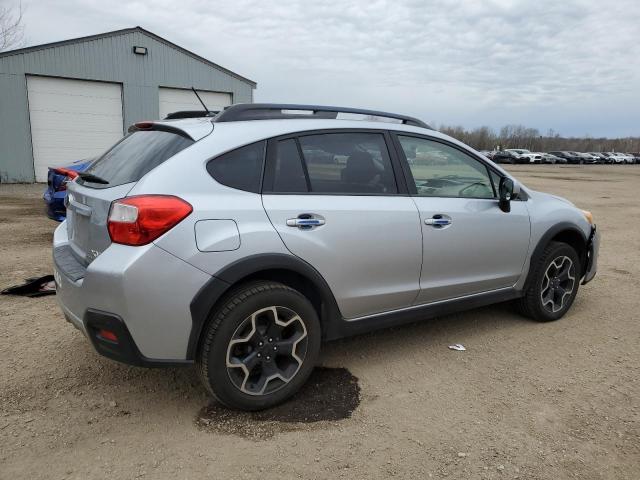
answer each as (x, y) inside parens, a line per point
(90, 177)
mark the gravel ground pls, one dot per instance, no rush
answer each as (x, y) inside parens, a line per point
(526, 400)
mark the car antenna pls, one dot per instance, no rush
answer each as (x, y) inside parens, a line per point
(205, 107)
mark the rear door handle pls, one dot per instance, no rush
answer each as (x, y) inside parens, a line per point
(438, 221)
(305, 222)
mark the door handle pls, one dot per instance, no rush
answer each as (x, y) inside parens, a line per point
(438, 221)
(305, 222)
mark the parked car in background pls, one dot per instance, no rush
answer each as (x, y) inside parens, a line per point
(616, 158)
(523, 153)
(590, 157)
(636, 157)
(570, 157)
(600, 156)
(56, 191)
(488, 154)
(630, 159)
(508, 156)
(262, 251)
(552, 159)
(534, 157)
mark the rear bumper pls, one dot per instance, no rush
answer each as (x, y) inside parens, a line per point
(142, 292)
(124, 348)
(593, 247)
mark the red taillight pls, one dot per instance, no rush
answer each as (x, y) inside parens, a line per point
(67, 172)
(146, 125)
(69, 176)
(108, 335)
(141, 219)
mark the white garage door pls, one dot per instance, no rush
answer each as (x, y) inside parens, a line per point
(71, 120)
(176, 99)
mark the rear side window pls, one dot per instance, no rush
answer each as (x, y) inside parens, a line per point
(351, 163)
(334, 163)
(135, 155)
(289, 174)
(240, 168)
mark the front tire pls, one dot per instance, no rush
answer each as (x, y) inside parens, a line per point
(259, 346)
(553, 284)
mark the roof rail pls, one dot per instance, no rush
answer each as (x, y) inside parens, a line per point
(190, 114)
(265, 111)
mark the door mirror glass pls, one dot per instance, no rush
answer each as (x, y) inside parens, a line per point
(506, 191)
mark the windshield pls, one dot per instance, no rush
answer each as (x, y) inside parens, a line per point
(134, 156)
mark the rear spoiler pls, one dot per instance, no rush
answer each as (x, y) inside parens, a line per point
(148, 125)
(190, 114)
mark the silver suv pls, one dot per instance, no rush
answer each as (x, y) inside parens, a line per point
(240, 242)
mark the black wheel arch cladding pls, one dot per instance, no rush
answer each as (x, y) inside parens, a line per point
(564, 232)
(261, 266)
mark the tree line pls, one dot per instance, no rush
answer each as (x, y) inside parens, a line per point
(11, 28)
(519, 136)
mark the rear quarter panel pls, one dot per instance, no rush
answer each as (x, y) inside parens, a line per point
(185, 175)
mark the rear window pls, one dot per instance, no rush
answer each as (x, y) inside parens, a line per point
(134, 156)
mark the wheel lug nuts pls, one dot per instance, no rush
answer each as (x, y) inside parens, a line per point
(268, 358)
(271, 339)
(275, 348)
(259, 355)
(260, 344)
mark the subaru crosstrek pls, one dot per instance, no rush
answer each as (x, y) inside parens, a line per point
(239, 243)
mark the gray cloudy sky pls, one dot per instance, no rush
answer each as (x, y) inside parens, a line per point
(573, 66)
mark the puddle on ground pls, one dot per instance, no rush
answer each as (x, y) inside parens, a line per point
(330, 395)
(621, 271)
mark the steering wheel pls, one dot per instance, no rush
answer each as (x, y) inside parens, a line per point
(473, 185)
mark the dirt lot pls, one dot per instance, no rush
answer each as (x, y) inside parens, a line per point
(526, 400)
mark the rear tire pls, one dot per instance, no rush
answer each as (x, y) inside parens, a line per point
(259, 346)
(553, 284)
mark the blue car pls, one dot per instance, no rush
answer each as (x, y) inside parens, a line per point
(56, 191)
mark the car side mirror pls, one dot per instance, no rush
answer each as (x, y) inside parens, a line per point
(506, 192)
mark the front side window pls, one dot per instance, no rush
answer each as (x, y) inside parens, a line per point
(240, 168)
(348, 163)
(439, 170)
